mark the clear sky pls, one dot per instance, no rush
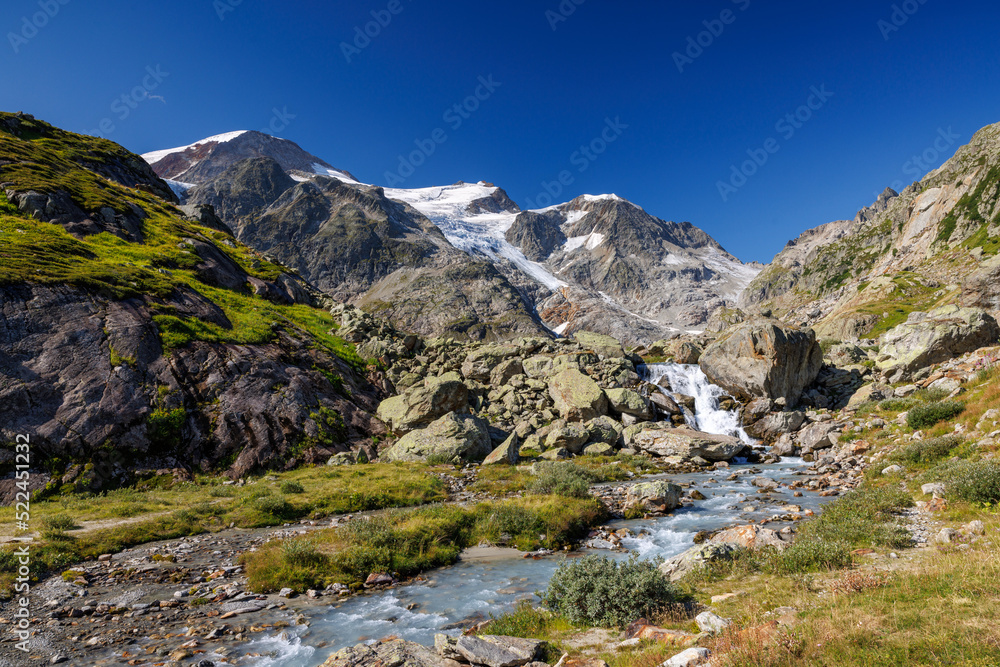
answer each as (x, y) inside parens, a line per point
(681, 92)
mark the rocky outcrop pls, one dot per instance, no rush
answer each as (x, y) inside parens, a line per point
(425, 402)
(697, 557)
(750, 537)
(981, 289)
(455, 438)
(763, 359)
(929, 338)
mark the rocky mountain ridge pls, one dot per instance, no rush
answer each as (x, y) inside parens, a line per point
(628, 273)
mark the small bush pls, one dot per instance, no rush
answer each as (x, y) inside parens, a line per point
(598, 591)
(813, 556)
(222, 491)
(60, 522)
(926, 451)
(562, 479)
(291, 486)
(276, 506)
(929, 414)
(973, 481)
(302, 553)
(897, 404)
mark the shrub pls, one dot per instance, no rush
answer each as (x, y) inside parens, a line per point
(929, 414)
(926, 451)
(276, 506)
(562, 479)
(302, 553)
(598, 591)
(864, 517)
(897, 404)
(812, 556)
(60, 522)
(291, 486)
(973, 481)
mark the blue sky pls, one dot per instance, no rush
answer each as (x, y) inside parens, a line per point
(560, 75)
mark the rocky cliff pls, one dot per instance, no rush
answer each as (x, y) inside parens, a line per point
(136, 335)
(928, 246)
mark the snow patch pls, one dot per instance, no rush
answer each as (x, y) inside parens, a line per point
(155, 156)
(180, 189)
(320, 170)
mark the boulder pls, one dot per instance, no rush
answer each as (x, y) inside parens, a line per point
(653, 497)
(626, 401)
(763, 359)
(557, 454)
(538, 366)
(604, 346)
(605, 430)
(572, 436)
(576, 396)
(665, 404)
(509, 452)
(775, 424)
(749, 537)
(981, 289)
(846, 354)
(424, 402)
(479, 363)
(504, 371)
(599, 449)
(459, 438)
(933, 489)
(696, 557)
(711, 623)
(663, 440)
(819, 435)
(689, 658)
(388, 652)
(930, 338)
(498, 651)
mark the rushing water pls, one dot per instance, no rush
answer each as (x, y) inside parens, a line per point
(471, 590)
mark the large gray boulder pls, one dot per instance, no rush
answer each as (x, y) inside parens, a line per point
(628, 402)
(776, 424)
(663, 440)
(656, 497)
(576, 396)
(459, 438)
(763, 359)
(696, 557)
(499, 651)
(389, 652)
(981, 289)
(424, 402)
(930, 338)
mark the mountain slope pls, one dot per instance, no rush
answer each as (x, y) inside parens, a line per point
(135, 335)
(929, 245)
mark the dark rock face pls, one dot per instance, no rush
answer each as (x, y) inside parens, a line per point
(763, 359)
(536, 234)
(245, 189)
(58, 384)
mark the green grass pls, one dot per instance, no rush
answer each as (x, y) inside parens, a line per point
(407, 542)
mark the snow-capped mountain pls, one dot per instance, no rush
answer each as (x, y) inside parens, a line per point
(461, 258)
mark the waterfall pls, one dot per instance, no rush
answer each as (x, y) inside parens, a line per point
(688, 379)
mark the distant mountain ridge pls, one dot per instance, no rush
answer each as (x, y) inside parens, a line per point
(597, 262)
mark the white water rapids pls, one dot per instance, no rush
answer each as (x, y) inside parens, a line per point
(453, 597)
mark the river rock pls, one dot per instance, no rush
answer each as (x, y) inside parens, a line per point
(599, 449)
(763, 359)
(397, 652)
(626, 401)
(576, 396)
(819, 435)
(750, 537)
(509, 452)
(499, 651)
(665, 404)
(664, 441)
(775, 424)
(930, 338)
(459, 438)
(697, 556)
(655, 497)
